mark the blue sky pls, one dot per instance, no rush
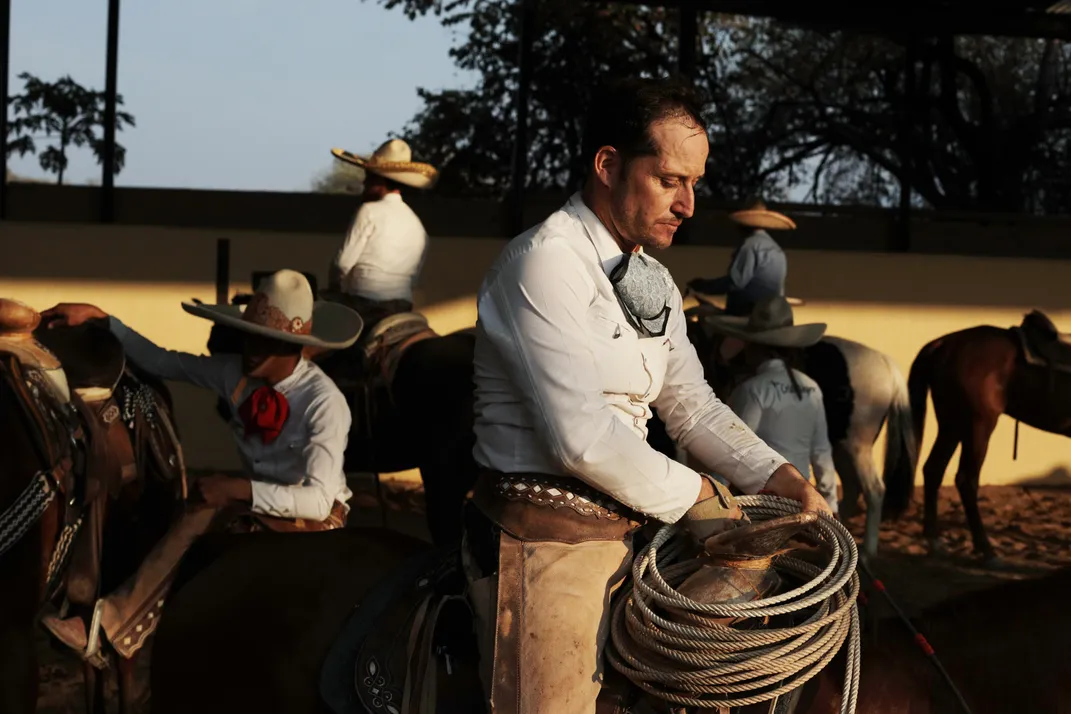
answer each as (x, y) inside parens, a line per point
(237, 94)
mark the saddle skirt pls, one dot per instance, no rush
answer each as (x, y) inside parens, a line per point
(1044, 345)
(409, 647)
(389, 339)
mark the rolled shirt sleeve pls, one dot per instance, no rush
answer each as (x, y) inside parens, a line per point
(329, 427)
(702, 424)
(534, 312)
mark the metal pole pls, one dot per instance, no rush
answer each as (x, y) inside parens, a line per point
(688, 37)
(107, 181)
(526, 37)
(223, 271)
(5, 70)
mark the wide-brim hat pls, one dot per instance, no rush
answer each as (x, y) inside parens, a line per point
(771, 323)
(757, 215)
(283, 309)
(393, 160)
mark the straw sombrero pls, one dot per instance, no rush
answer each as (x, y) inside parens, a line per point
(283, 309)
(756, 215)
(393, 160)
(770, 323)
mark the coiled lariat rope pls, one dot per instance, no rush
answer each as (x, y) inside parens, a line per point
(711, 665)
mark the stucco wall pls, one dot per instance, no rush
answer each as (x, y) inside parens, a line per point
(892, 302)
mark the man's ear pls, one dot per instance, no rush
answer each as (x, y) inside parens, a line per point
(607, 163)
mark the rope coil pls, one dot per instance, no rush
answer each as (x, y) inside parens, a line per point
(709, 665)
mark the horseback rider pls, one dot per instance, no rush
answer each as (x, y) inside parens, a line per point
(758, 266)
(781, 404)
(381, 258)
(290, 423)
(579, 334)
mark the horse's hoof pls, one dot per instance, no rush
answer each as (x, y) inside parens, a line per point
(992, 561)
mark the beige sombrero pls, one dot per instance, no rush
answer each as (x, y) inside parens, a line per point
(283, 308)
(770, 323)
(756, 215)
(393, 160)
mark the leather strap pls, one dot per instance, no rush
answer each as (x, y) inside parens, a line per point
(541, 507)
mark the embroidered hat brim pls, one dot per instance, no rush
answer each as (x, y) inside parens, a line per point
(409, 173)
(788, 336)
(334, 326)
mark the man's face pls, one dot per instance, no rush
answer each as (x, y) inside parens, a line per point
(261, 356)
(651, 195)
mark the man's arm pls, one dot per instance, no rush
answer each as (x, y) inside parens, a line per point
(741, 270)
(329, 428)
(535, 314)
(713, 433)
(356, 239)
(203, 371)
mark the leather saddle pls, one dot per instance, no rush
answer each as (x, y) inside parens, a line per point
(409, 647)
(1044, 345)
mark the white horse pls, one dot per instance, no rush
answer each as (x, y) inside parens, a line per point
(863, 390)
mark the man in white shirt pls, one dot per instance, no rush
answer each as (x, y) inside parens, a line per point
(781, 404)
(579, 334)
(381, 258)
(289, 421)
(758, 267)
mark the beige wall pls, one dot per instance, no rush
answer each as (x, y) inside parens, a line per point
(892, 302)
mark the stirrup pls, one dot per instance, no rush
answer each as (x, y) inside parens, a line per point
(93, 653)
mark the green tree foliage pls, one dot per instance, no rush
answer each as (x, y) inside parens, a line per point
(63, 114)
(339, 178)
(791, 109)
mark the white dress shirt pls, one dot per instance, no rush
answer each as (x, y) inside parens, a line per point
(564, 385)
(795, 427)
(383, 252)
(300, 474)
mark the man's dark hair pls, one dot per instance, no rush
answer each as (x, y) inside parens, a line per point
(622, 112)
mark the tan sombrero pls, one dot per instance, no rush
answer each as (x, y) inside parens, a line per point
(756, 215)
(283, 309)
(393, 160)
(770, 323)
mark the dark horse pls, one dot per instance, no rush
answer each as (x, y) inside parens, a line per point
(270, 629)
(113, 520)
(974, 376)
(422, 419)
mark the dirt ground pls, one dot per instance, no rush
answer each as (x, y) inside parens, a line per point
(1029, 527)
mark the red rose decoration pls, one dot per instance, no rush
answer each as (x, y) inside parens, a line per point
(264, 413)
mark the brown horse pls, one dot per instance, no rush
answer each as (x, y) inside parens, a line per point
(254, 636)
(974, 376)
(72, 524)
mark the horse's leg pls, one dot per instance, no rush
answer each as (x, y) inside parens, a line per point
(855, 465)
(975, 446)
(127, 684)
(94, 680)
(447, 479)
(849, 480)
(933, 474)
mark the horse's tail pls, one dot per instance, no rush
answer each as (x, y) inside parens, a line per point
(900, 482)
(901, 448)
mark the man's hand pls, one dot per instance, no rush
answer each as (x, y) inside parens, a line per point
(219, 491)
(788, 482)
(71, 314)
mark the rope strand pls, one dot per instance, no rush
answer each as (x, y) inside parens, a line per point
(706, 664)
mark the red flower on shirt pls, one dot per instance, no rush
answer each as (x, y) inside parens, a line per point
(264, 413)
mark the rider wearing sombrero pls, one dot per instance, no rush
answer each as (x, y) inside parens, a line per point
(380, 261)
(758, 266)
(288, 419)
(782, 405)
